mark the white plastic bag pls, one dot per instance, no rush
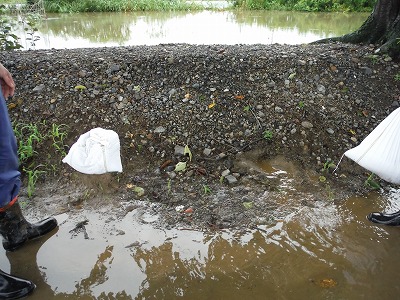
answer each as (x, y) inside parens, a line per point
(95, 152)
(379, 152)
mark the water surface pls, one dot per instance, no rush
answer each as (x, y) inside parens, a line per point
(203, 27)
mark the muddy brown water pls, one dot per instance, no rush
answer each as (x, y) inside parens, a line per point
(325, 251)
(229, 27)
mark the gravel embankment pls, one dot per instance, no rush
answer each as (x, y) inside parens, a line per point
(308, 103)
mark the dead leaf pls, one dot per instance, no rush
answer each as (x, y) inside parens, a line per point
(188, 211)
(327, 283)
(166, 164)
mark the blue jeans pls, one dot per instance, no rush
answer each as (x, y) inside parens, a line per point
(9, 174)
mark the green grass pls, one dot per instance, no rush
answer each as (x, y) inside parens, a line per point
(38, 146)
(68, 6)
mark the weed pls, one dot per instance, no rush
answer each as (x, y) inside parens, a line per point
(301, 104)
(397, 77)
(33, 176)
(206, 189)
(374, 58)
(27, 136)
(370, 182)
(328, 165)
(267, 135)
(58, 135)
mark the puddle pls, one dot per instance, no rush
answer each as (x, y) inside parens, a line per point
(325, 251)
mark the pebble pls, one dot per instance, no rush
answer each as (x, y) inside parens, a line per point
(307, 124)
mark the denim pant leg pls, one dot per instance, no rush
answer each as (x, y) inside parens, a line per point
(9, 174)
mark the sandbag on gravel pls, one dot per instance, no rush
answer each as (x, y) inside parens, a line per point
(379, 152)
(95, 152)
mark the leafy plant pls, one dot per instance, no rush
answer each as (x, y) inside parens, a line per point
(27, 136)
(327, 165)
(370, 182)
(33, 176)
(206, 189)
(58, 135)
(8, 40)
(267, 135)
(397, 77)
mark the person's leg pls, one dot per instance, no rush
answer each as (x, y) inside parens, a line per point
(13, 226)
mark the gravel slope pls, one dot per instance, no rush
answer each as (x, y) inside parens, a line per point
(305, 103)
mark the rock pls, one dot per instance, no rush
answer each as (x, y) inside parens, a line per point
(307, 124)
(225, 172)
(231, 179)
(159, 129)
(39, 88)
(179, 150)
(207, 151)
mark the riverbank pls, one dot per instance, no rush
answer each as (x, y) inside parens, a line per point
(235, 107)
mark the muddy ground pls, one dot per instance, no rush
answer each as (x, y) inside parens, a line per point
(252, 116)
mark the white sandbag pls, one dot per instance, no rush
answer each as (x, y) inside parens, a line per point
(379, 152)
(95, 152)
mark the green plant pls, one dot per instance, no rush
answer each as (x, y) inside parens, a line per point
(397, 77)
(267, 135)
(58, 134)
(301, 104)
(27, 136)
(327, 165)
(33, 176)
(30, 26)
(8, 40)
(370, 182)
(206, 189)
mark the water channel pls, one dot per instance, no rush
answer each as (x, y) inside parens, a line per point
(325, 251)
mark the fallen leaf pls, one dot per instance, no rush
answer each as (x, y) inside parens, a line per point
(248, 205)
(188, 211)
(239, 97)
(80, 87)
(180, 166)
(165, 164)
(365, 113)
(211, 105)
(187, 151)
(327, 283)
(12, 105)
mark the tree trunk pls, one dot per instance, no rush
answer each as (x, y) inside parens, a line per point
(381, 28)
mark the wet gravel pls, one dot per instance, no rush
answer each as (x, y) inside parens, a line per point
(234, 106)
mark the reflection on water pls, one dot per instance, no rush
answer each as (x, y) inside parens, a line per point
(202, 27)
(324, 251)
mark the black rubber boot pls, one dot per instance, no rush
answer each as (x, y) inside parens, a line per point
(13, 287)
(16, 230)
(392, 219)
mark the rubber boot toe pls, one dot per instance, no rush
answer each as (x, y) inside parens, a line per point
(392, 219)
(13, 287)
